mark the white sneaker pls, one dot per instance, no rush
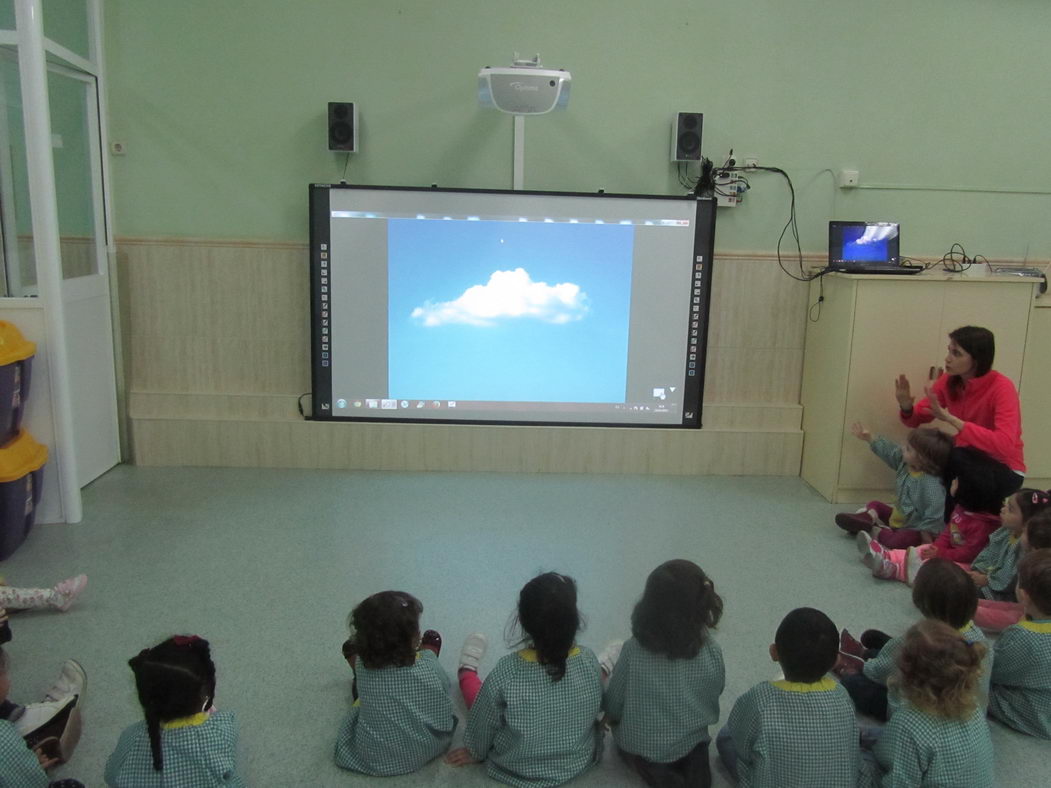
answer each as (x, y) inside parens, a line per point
(607, 660)
(71, 681)
(474, 648)
(67, 591)
(913, 562)
(37, 715)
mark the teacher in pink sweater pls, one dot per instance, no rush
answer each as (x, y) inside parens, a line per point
(974, 402)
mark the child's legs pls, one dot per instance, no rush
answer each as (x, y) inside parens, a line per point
(470, 685)
(869, 696)
(881, 510)
(899, 538)
(22, 598)
(994, 616)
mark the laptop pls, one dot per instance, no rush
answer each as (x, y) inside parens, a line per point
(866, 248)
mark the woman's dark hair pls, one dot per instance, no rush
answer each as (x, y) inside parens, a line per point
(676, 610)
(1038, 530)
(174, 679)
(1031, 502)
(980, 345)
(547, 613)
(944, 591)
(932, 448)
(976, 473)
(384, 629)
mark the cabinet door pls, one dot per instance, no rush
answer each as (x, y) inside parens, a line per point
(896, 330)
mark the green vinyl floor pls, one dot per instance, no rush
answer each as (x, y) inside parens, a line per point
(267, 564)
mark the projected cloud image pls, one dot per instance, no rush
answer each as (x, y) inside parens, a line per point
(508, 311)
(508, 295)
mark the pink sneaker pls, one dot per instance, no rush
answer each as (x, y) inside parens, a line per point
(884, 568)
(67, 591)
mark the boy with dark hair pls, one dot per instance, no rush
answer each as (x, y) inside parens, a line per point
(801, 730)
(1020, 695)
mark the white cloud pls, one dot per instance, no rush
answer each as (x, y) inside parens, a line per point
(508, 294)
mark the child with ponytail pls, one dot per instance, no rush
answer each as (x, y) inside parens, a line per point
(183, 741)
(533, 720)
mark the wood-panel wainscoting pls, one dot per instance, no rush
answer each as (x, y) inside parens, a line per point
(217, 351)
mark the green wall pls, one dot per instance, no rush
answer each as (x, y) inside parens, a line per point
(222, 108)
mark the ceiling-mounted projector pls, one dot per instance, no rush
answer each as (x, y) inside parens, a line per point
(525, 88)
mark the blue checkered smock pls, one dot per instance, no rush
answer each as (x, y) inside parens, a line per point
(19, 767)
(792, 735)
(661, 708)
(402, 719)
(918, 749)
(1021, 691)
(196, 755)
(534, 732)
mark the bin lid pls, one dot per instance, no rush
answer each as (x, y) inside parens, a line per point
(13, 346)
(21, 456)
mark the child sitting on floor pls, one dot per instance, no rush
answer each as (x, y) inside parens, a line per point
(939, 735)
(1021, 685)
(918, 514)
(665, 687)
(974, 517)
(402, 716)
(801, 730)
(183, 742)
(942, 592)
(996, 615)
(533, 720)
(23, 767)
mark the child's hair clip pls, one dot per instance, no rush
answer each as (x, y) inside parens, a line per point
(185, 640)
(1041, 497)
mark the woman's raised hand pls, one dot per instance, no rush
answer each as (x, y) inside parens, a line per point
(903, 392)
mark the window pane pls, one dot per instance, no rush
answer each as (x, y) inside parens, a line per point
(19, 267)
(71, 142)
(66, 23)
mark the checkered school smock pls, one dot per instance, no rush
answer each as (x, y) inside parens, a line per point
(402, 719)
(999, 562)
(917, 749)
(533, 731)
(1021, 691)
(661, 708)
(19, 767)
(920, 500)
(789, 734)
(198, 752)
(881, 667)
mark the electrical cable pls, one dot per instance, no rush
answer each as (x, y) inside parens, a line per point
(299, 403)
(346, 162)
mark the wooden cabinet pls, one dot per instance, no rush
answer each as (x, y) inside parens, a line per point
(1036, 396)
(864, 333)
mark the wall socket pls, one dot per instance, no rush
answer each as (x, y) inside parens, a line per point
(848, 179)
(750, 161)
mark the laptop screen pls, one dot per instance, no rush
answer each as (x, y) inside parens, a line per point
(862, 242)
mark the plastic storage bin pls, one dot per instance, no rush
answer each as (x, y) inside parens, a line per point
(21, 476)
(16, 361)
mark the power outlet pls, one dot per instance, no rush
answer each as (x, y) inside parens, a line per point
(848, 179)
(751, 162)
(729, 190)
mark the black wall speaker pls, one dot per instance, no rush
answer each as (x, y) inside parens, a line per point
(686, 136)
(343, 126)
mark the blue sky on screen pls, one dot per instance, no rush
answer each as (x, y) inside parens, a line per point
(508, 311)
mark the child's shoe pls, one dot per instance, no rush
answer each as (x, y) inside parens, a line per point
(607, 660)
(847, 665)
(854, 523)
(68, 590)
(71, 682)
(884, 568)
(58, 735)
(913, 562)
(474, 648)
(848, 644)
(874, 639)
(870, 550)
(432, 641)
